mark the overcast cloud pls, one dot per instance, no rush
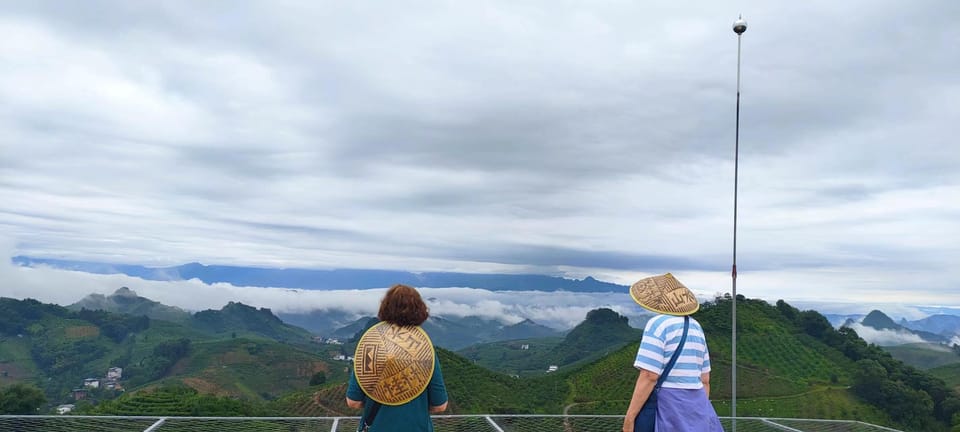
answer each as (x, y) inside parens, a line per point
(550, 137)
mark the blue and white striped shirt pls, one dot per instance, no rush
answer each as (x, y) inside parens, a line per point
(660, 339)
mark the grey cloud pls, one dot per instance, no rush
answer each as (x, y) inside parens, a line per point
(527, 135)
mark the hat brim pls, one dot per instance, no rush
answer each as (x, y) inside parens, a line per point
(664, 294)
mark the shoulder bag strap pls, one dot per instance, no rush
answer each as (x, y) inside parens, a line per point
(366, 422)
(676, 354)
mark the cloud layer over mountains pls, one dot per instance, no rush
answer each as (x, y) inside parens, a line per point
(555, 309)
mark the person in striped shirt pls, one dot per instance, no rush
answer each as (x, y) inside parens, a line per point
(682, 400)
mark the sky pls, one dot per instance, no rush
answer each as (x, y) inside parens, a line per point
(561, 138)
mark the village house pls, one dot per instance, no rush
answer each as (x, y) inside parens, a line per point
(79, 394)
(65, 408)
(114, 373)
(91, 383)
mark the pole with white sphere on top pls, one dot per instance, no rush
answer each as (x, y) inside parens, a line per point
(739, 26)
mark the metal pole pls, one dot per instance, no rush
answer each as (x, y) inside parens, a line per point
(739, 26)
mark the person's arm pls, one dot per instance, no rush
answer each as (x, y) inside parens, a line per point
(354, 396)
(438, 408)
(641, 391)
(437, 398)
(705, 379)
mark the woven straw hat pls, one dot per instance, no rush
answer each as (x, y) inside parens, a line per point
(664, 294)
(393, 364)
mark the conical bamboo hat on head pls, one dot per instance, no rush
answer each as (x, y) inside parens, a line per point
(393, 364)
(664, 294)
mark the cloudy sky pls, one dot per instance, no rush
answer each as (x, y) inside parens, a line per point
(564, 138)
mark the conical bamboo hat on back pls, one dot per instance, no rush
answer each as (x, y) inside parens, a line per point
(393, 364)
(664, 294)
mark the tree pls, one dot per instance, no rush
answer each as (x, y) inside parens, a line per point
(868, 377)
(318, 378)
(21, 399)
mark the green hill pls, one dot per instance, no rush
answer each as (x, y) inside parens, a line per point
(950, 374)
(56, 349)
(251, 369)
(601, 332)
(240, 319)
(923, 355)
(790, 363)
(172, 400)
(472, 390)
(523, 357)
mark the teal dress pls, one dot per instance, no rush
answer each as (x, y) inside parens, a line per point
(412, 416)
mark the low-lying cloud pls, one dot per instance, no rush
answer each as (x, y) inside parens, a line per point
(561, 310)
(885, 337)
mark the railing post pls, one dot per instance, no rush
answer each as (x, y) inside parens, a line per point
(493, 424)
(779, 426)
(156, 425)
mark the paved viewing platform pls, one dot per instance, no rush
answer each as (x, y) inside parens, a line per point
(442, 423)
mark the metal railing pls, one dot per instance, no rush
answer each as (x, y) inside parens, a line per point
(442, 423)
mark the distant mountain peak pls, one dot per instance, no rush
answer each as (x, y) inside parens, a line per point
(606, 316)
(126, 301)
(879, 321)
(124, 292)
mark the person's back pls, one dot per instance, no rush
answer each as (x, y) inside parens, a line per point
(397, 400)
(673, 388)
(408, 417)
(661, 336)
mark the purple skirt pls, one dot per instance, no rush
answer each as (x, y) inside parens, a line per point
(685, 410)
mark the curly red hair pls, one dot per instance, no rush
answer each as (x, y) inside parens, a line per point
(403, 306)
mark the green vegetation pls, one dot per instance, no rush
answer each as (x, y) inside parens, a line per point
(21, 399)
(243, 361)
(318, 378)
(175, 401)
(923, 355)
(250, 321)
(511, 358)
(602, 332)
(950, 374)
(58, 348)
(790, 363)
(475, 390)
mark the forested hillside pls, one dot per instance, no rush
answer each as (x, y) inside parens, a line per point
(791, 363)
(601, 332)
(235, 352)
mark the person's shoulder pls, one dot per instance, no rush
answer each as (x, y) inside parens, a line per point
(660, 321)
(694, 322)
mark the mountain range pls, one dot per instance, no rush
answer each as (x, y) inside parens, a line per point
(449, 332)
(878, 320)
(331, 279)
(941, 324)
